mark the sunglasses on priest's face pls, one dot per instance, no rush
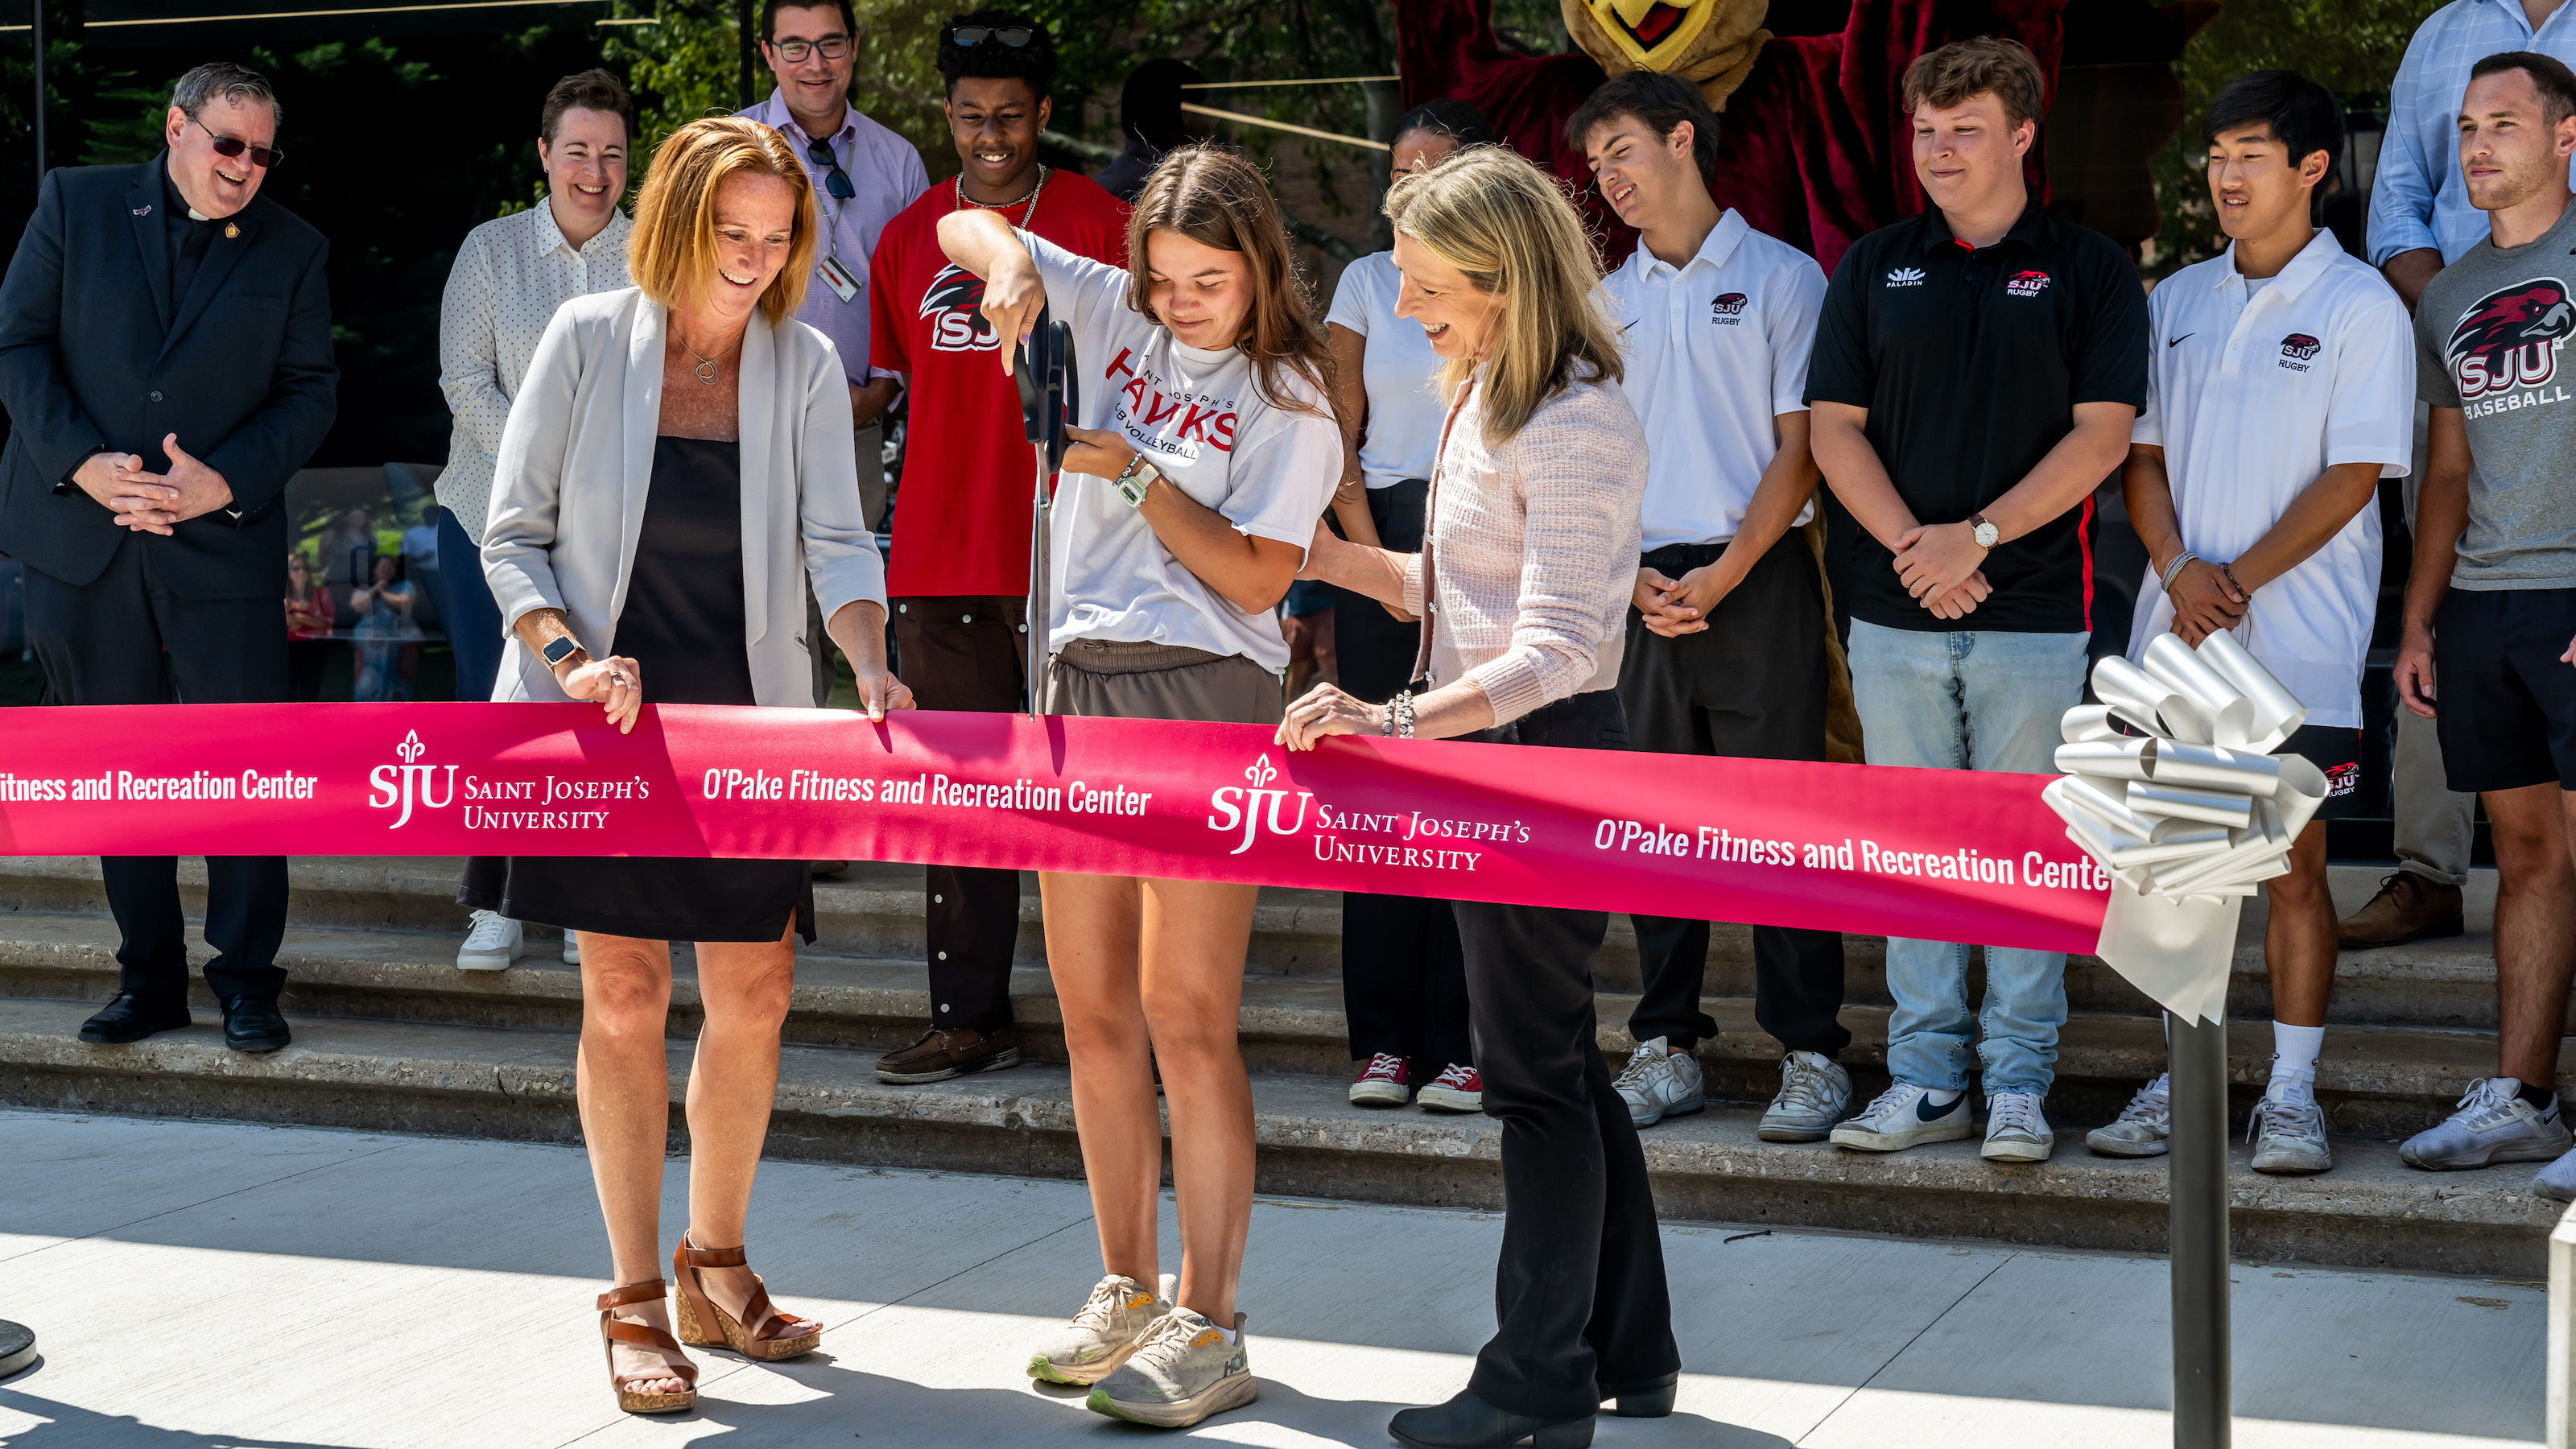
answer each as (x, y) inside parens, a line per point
(263, 157)
(970, 36)
(837, 182)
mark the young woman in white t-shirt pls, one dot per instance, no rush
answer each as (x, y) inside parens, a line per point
(1183, 511)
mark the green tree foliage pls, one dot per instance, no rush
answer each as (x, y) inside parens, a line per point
(2352, 47)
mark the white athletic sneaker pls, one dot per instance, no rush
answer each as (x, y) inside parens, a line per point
(1457, 1089)
(1657, 1084)
(491, 943)
(2015, 1129)
(1182, 1371)
(572, 949)
(2143, 1127)
(1903, 1116)
(1110, 1326)
(1814, 1092)
(2492, 1125)
(2558, 1179)
(2289, 1135)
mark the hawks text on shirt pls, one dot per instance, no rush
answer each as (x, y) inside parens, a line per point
(1146, 403)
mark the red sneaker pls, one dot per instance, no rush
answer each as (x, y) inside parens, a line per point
(1458, 1089)
(1387, 1081)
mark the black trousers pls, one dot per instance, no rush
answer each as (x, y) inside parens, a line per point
(1751, 685)
(1579, 1297)
(104, 642)
(1404, 975)
(964, 652)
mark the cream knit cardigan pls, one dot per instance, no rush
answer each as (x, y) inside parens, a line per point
(1532, 549)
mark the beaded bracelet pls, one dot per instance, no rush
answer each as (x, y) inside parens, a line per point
(1399, 716)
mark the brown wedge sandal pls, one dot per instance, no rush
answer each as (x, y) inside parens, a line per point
(771, 1335)
(614, 1331)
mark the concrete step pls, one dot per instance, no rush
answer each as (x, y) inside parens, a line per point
(463, 1080)
(2375, 1080)
(876, 911)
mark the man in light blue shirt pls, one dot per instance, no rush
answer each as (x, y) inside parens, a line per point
(863, 174)
(2420, 222)
(2420, 217)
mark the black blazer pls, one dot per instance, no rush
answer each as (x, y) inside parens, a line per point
(94, 353)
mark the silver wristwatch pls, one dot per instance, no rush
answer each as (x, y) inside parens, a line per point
(1134, 479)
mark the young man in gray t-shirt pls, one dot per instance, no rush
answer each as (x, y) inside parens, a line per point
(2491, 604)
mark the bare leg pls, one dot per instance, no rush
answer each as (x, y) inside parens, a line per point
(2299, 942)
(733, 1080)
(1193, 942)
(1092, 929)
(2535, 943)
(624, 1082)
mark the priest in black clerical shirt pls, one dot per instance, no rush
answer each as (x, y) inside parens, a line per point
(165, 361)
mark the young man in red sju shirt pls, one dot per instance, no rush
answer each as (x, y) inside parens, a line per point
(959, 569)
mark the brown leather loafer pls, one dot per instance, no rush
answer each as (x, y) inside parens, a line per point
(955, 1052)
(2407, 908)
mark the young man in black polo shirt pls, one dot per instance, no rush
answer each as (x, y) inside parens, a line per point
(1976, 373)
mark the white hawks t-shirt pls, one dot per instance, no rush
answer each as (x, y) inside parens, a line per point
(2253, 390)
(1197, 416)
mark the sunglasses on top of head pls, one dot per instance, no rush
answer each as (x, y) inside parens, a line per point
(263, 157)
(838, 182)
(970, 36)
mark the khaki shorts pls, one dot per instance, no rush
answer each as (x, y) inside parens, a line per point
(1100, 679)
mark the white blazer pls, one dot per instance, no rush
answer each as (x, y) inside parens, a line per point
(576, 464)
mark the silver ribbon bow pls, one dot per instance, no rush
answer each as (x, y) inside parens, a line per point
(2189, 819)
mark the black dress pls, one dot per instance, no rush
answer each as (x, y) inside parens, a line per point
(683, 626)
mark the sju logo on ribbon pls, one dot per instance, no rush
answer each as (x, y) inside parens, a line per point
(1241, 805)
(408, 782)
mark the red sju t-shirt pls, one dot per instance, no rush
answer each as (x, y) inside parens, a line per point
(961, 519)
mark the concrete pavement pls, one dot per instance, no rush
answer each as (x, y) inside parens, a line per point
(197, 1285)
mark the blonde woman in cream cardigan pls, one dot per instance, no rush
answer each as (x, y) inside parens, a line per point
(1525, 575)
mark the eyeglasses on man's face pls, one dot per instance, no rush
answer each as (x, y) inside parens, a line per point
(970, 36)
(263, 157)
(830, 47)
(838, 181)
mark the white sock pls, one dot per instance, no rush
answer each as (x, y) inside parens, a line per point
(2294, 1060)
(1939, 1097)
(1229, 1334)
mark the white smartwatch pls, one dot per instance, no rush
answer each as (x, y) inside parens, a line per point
(1134, 479)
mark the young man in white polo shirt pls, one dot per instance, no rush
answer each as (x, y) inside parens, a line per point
(1726, 631)
(2279, 393)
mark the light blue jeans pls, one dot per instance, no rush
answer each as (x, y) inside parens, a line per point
(1968, 700)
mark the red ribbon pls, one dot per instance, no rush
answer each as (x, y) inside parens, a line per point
(1944, 855)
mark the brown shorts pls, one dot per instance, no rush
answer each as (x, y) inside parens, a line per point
(1104, 680)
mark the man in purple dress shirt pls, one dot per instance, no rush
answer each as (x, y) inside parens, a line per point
(863, 174)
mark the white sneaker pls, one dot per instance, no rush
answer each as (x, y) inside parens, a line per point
(572, 948)
(1183, 1370)
(1657, 1084)
(2015, 1129)
(1904, 1116)
(2493, 1124)
(2144, 1127)
(2558, 1179)
(2289, 1134)
(1814, 1092)
(491, 943)
(1111, 1324)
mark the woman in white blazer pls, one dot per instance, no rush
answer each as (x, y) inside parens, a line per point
(677, 465)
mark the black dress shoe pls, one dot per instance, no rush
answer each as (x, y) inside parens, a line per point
(252, 1024)
(130, 1016)
(1644, 1398)
(1468, 1422)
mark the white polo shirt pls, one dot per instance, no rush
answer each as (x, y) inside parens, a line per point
(1400, 373)
(2253, 390)
(1717, 349)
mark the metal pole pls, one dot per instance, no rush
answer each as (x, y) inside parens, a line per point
(1039, 606)
(37, 33)
(2201, 1382)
